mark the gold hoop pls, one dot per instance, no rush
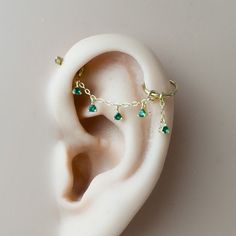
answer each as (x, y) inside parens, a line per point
(156, 95)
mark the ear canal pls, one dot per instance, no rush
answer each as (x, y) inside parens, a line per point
(81, 174)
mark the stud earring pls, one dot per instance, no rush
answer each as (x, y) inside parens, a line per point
(163, 128)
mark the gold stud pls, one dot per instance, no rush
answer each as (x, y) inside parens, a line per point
(58, 60)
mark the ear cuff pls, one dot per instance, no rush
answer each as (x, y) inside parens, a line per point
(152, 96)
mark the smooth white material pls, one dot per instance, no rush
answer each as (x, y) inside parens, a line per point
(136, 148)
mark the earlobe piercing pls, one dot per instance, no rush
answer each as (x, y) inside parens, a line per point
(152, 96)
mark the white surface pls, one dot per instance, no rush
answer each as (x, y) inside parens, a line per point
(195, 40)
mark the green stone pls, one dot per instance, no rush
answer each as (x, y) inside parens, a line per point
(165, 129)
(92, 108)
(142, 113)
(77, 91)
(118, 116)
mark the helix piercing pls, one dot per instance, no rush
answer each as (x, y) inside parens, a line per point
(151, 96)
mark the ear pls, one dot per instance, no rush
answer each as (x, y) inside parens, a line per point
(100, 164)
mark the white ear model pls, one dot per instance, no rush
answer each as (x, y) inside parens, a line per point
(105, 169)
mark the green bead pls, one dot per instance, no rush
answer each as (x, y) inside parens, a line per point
(165, 129)
(118, 116)
(76, 91)
(142, 113)
(92, 108)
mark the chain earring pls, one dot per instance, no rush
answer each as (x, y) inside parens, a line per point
(152, 96)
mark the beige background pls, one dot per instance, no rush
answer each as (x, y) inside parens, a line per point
(196, 42)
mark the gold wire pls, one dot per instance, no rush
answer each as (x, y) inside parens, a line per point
(152, 95)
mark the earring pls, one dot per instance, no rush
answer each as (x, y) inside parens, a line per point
(163, 126)
(92, 107)
(142, 112)
(58, 60)
(151, 97)
(76, 90)
(118, 115)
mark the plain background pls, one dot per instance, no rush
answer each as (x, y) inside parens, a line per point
(196, 42)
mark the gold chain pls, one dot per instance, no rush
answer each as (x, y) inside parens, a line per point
(93, 98)
(151, 95)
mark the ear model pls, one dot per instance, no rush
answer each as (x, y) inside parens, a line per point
(114, 132)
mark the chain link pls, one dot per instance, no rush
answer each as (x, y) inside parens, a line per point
(110, 103)
(151, 96)
(162, 105)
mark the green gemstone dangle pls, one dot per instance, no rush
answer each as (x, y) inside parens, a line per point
(118, 115)
(142, 112)
(76, 90)
(164, 128)
(92, 107)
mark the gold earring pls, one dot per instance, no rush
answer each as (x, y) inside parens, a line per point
(151, 97)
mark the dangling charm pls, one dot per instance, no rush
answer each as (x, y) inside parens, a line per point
(118, 115)
(163, 126)
(76, 90)
(142, 112)
(165, 129)
(152, 96)
(92, 107)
